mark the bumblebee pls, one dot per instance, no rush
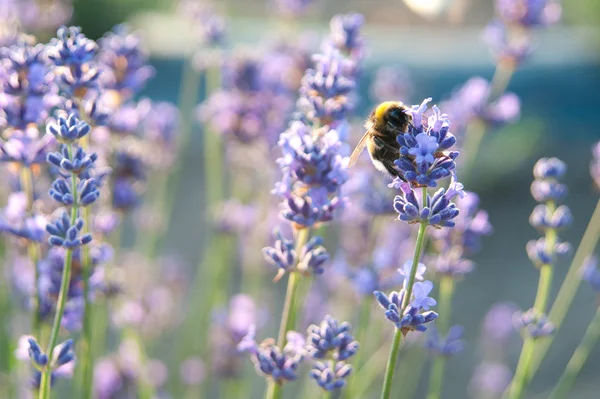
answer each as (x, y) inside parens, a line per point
(386, 121)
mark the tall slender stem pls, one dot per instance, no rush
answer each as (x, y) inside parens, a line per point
(567, 291)
(521, 377)
(590, 338)
(391, 364)
(445, 305)
(288, 314)
(62, 294)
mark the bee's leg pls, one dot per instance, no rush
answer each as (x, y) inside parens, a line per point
(392, 170)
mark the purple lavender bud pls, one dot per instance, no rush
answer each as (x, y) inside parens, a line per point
(282, 254)
(37, 356)
(280, 365)
(73, 50)
(412, 317)
(532, 323)
(591, 273)
(528, 13)
(68, 130)
(65, 235)
(331, 339)
(549, 168)
(312, 257)
(542, 218)
(539, 254)
(595, 164)
(328, 378)
(451, 345)
(439, 211)
(64, 353)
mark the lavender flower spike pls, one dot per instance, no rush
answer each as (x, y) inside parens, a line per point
(438, 211)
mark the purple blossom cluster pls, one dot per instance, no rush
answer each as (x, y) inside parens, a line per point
(509, 35)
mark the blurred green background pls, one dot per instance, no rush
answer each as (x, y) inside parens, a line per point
(559, 88)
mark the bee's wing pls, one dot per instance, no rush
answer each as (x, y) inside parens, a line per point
(359, 148)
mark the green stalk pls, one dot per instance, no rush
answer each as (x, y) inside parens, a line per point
(445, 305)
(521, 378)
(87, 358)
(567, 379)
(391, 364)
(569, 287)
(44, 392)
(289, 313)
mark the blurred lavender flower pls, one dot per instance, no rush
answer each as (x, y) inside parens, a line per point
(471, 101)
(36, 15)
(345, 35)
(209, 27)
(233, 217)
(595, 164)
(393, 83)
(228, 331)
(425, 155)
(26, 81)
(25, 147)
(533, 323)
(331, 339)
(324, 94)
(507, 46)
(272, 362)
(591, 273)
(451, 345)
(497, 324)
(61, 363)
(528, 13)
(490, 379)
(251, 106)
(292, 7)
(76, 54)
(192, 371)
(124, 62)
(118, 375)
(14, 219)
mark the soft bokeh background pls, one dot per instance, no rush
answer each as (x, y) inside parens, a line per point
(440, 47)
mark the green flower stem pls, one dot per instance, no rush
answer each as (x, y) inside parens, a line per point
(567, 379)
(290, 310)
(569, 287)
(445, 305)
(521, 378)
(33, 248)
(87, 359)
(391, 364)
(44, 392)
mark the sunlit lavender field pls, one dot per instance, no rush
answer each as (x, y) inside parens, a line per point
(181, 217)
